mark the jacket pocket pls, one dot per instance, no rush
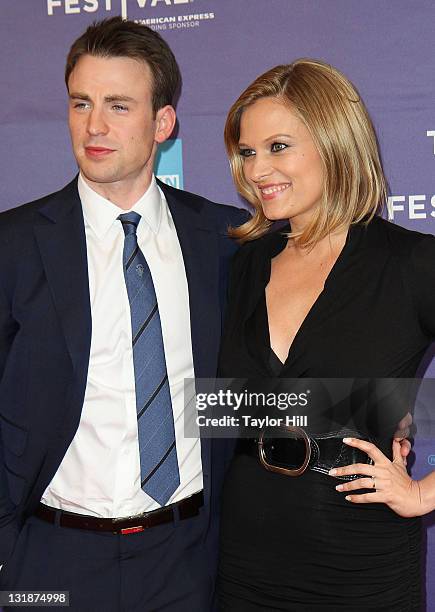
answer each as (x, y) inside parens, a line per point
(14, 442)
(16, 484)
(14, 436)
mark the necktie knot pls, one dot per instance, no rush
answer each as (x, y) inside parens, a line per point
(129, 221)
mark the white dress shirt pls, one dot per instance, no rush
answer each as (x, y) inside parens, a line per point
(100, 473)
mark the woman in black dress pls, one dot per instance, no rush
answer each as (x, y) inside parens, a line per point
(339, 293)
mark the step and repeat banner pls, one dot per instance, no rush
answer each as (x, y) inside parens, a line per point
(386, 47)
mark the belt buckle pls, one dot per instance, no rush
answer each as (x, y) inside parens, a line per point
(132, 529)
(281, 470)
(129, 530)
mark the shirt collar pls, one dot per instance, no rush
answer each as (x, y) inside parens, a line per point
(100, 214)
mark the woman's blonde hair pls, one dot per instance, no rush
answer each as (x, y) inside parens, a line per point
(332, 110)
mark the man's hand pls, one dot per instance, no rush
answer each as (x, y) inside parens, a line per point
(401, 434)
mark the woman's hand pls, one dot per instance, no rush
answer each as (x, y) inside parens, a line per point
(389, 480)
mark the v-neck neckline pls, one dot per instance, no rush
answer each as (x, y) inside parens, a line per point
(318, 301)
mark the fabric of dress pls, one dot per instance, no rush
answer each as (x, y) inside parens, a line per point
(296, 543)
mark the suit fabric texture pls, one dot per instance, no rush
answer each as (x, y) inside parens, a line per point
(45, 335)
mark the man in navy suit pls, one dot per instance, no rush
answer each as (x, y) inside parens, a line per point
(87, 503)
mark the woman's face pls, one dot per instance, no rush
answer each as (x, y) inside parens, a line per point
(280, 162)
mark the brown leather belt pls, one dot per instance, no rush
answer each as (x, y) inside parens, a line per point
(184, 509)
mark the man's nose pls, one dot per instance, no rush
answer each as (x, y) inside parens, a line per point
(96, 122)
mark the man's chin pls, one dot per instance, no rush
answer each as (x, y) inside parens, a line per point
(98, 177)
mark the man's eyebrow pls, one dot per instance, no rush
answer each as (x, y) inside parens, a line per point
(118, 98)
(112, 98)
(77, 95)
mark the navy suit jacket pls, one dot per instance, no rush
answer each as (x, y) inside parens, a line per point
(45, 335)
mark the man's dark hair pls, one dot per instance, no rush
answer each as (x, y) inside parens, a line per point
(116, 37)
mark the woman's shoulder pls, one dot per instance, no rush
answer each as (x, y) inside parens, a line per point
(400, 240)
(263, 248)
(250, 266)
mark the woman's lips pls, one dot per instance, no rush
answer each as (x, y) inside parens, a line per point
(272, 190)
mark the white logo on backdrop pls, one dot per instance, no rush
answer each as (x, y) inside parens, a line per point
(170, 179)
(431, 134)
(414, 206)
(72, 7)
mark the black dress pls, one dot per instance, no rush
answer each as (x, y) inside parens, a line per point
(295, 543)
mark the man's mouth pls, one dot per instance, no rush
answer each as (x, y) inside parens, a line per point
(98, 151)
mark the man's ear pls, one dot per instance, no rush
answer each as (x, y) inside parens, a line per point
(165, 123)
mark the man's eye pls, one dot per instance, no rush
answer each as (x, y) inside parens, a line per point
(80, 105)
(120, 107)
(278, 146)
(246, 152)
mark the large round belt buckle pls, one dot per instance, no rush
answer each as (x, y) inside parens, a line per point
(279, 469)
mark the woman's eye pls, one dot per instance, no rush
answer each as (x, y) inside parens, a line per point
(246, 152)
(278, 146)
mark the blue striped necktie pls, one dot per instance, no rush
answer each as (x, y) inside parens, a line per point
(160, 475)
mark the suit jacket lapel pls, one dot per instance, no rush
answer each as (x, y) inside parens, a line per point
(62, 244)
(199, 245)
(200, 252)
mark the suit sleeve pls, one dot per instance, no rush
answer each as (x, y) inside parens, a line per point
(236, 264)
(422, 279)
(8, 526)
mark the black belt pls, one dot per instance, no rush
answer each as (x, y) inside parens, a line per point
(132, 524)
(294, 451)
